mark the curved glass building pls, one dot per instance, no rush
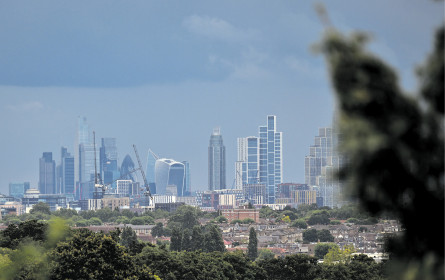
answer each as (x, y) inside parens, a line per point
(127, 169)
(169, 173)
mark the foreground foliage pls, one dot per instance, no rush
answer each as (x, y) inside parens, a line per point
(54, 251)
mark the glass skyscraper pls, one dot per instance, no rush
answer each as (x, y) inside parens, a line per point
(84, 160)
(187, 179)
(260, 159)
(150, 173)
(87, 170)
(47, 174)
(168, 173)
(321, 165)
(217, 161)
(67, 173)
(108, 161)
(18, 189)
(127, 169)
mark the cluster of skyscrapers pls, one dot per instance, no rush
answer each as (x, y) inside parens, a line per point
(258, 171)
(259, 168)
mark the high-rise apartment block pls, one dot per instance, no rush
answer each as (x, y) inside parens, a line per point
(47, 174)
(260, 159)
(321, 165)
(217, 161)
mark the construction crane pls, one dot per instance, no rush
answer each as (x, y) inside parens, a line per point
(147, 188)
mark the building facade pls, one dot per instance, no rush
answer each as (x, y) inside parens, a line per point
(68, 173)
(169, 172)
(108, 161)
(321, 165)
(260, 159)
(217, 161)
(18, 189)
(47, 174)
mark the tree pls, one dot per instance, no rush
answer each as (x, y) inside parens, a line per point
(176, 240)
(299, 223)
(185, 217)
(298, 266)
(137, 221)
(40, 207)
(394, 144)
(265, 254)
(321, 249)
(310, 235)
(319, 218)
(129, 239)
(186, 243)
(95, 221)
(157, 230)
(104, 214)
(213, 241)
(220, 219)
(337, 255)
(290, 213)
(14, 234)
(89, 255)
(197, 240)
(325, 235)
(65, 213)
(248, 221)
(252, 248)
(286, 219)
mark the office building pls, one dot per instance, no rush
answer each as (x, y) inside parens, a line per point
(187, 179)
(86, 171)
(150, 173)
(217, 161)
(67, 176)
(108, 161)
(18, 189)
(83, 137)
(169, 172)
(128, 169)
(260, 159)
(47, 174)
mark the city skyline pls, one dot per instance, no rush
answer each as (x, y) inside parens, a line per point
(161, 77)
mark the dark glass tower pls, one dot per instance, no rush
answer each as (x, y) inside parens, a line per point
(217, 161)
(47, 174)
(67, 173)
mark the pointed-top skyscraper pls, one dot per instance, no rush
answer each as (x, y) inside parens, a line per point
(217, 161)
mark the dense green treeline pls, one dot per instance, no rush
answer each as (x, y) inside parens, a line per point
(53, 250)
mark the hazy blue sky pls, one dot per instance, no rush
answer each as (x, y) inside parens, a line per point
(163, 74)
